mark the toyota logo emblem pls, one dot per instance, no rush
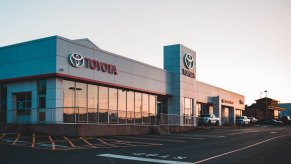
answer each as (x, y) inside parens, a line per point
(77, 60)
(188, 60)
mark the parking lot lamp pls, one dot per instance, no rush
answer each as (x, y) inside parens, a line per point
(266, 104)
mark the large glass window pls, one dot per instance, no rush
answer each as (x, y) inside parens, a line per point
(152, 109)
(188, 111)
(130, 107)
(138, 108)
(113, 105)
(145, 108)
(81, 101)
(121, 106)
(92, 103)
(153, 103)
(103, 104)
(99, 104)
(69, 101)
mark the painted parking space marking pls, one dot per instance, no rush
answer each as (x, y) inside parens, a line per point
(70, 142)
(108, 144)
(141, 159)
(33, 140)
(53, 143)
(132, 143)
(16, 139)
(163, 156)
(64, 143)
(2, 136)
(87, 142)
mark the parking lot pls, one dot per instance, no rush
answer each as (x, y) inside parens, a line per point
(67, 143)
(230, 145)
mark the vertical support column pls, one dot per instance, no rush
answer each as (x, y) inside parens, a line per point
(232, 115)
(181, 111)
(194, 112)
(10, 114)
(217, 108)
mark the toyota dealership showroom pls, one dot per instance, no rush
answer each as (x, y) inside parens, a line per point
(56, 80)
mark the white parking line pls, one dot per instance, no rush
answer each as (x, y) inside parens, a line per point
(3, 135)
(70, 142)
(104, 142)
(233, 151)
(53, 143)
(16, 139)
(141, 159)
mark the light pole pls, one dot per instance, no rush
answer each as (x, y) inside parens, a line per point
(266, 104)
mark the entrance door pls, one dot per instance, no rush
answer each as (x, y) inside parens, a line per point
(22, 106)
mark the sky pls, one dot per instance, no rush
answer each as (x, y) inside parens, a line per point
(241, 45)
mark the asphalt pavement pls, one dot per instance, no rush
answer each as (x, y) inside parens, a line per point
(259, 144)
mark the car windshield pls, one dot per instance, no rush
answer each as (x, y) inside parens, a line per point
(250, 117)
(205, 115)
(240, 118)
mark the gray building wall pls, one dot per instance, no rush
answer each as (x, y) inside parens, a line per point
(131, 73)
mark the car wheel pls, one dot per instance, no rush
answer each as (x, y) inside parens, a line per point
(209, 123)
(217, 123)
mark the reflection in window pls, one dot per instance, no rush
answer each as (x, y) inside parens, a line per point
(145, 108)
(138, 109)
(69, 103)
(188, 111)
(81, 101)
(112, 105)
(103, 104)
(92, 103)
(153, 104)
(130, 107)
(99, 104)
(122, 106)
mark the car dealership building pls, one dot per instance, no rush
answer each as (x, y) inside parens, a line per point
(58, 80)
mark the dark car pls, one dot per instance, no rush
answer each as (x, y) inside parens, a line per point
(286, 119)
(273, 122)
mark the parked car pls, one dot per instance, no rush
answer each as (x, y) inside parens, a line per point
(286, 119)
(273, 122)
(208, 119)
(242, 120)
(253, 119)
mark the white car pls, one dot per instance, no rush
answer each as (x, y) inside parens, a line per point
(253, 119)
(242, 120)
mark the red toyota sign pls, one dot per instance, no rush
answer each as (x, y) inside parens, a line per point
(77, 61)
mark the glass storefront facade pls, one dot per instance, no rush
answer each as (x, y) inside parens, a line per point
(90, 103)
(188, 111)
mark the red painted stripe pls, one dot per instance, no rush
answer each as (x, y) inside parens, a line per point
(64, 76)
